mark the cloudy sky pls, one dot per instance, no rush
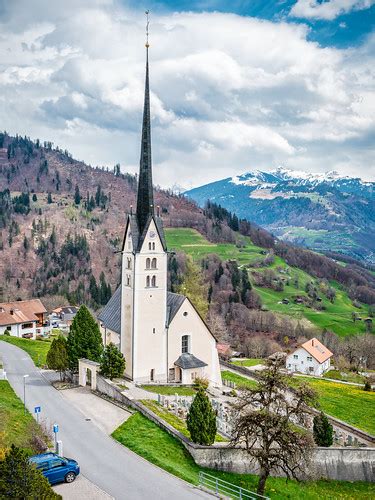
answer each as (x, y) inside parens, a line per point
(236, 85)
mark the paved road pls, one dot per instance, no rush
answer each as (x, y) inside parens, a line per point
(111, 466)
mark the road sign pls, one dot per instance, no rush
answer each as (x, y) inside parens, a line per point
(37, 409)
(55, 428)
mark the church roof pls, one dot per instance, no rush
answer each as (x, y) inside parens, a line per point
(187, 360)
(174, 302)
(110, 315)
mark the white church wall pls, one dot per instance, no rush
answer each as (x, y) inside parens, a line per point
(202, 343)
(150, 299)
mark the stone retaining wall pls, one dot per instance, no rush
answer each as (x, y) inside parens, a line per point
(343, 464)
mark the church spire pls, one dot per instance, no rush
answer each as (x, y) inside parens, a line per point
(145, 197)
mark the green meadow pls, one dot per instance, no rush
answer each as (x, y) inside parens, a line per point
(335, 317)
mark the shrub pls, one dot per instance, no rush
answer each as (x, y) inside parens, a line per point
(113, 362)
(367, 386)
(201, 382)
(323, 430)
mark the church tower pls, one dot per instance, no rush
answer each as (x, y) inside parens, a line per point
(144, 273)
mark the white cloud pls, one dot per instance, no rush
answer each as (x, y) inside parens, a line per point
(328, 9)
(228, 93)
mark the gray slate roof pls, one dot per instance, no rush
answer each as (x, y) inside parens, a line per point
(174, 302)
(186, 361)
(110, 315)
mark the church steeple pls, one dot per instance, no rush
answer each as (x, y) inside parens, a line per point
(145, 197)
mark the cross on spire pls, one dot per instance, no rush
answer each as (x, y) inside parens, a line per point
(145, 197)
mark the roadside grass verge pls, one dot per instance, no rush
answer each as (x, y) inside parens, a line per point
(239, 381)
(15, 427)
(248, 362)
(37, 349)
(170, 390)
(158, 447)
(173, 420)
(348, 403)
(345, 376)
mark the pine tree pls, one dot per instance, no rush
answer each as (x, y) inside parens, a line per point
(201, 420)
(49, 198)
(20, 479)
(84, 339)
(77, 196)
(113, 362)
(323, 430)
(57, 356)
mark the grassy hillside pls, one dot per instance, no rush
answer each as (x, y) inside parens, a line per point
(37, 349)
(15, 427)
(335, 317)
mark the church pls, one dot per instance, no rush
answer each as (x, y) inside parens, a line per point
(161, 334)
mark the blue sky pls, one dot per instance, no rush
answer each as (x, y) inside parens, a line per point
(347, 29)
(235, 86)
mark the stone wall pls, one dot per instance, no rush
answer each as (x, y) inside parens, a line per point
(342, 464)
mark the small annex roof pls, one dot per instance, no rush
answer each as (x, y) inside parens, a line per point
(319, 351)
(21, 311)
(110, 315)
(187, 361)
(174, 302)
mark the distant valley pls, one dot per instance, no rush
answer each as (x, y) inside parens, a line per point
(325, 212)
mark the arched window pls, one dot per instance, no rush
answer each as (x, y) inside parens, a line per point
(148, 281)
(148, 261)
(153, 281)
(153, 263)
(150, 246)
(153, 245)
(128, 280)
(129, 263)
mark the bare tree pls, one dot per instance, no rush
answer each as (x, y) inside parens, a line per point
(273, 426)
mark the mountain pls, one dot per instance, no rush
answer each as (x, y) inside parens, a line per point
(325, 212)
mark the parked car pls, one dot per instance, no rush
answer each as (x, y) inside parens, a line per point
(56, 469)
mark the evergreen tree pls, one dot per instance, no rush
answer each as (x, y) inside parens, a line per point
(113, 362)
(323, 430)
(26, 244)
(94, 290)
(35, 197)
(77, 196)
(84, 339)
(19, 479)
(201, 419)
(49, 198)
(57, 356)
(246, 285)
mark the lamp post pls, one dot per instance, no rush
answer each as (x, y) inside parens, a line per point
(24, 393)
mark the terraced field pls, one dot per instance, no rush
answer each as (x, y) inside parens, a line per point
(335, 317)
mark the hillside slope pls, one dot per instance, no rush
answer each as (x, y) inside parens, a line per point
(325, 212)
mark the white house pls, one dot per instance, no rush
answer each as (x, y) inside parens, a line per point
(161, 335)
(22, 318)
(312, 358)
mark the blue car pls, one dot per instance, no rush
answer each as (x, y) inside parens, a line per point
(56, 469)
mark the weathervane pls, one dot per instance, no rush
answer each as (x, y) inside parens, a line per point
(147, 25)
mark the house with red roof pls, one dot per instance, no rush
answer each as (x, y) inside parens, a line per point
(312, 358)
(23, 318)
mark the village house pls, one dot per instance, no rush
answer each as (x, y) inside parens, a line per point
(65, 314)
(161, 334)
(312, 358)
(24, 318)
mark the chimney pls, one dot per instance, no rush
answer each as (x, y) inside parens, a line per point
(11, 312)
(312, 342)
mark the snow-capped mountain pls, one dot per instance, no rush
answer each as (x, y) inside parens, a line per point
(325, 211)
